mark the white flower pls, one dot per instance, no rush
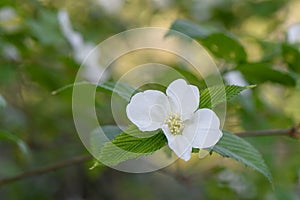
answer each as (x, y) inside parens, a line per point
(293, 34)
(84, 52)
(177, 114)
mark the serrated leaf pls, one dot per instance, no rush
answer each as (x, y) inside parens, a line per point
(240, 150)
(130, 144)
(220, 43)
(212, 96)
(263, 72)
(100, 136)
(16, 140)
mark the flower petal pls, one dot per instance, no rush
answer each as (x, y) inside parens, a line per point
(181, 145)
(203, 130)
(184, 98)
(148, 110)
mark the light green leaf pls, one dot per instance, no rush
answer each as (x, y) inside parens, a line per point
(12, 138)
(2, 102)
(122, 89)
(130, 144)
(240, 150)
(191, 29)
(212, 96)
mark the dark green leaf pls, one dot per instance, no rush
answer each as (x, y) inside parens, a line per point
(240, 150)
(220, 43)
(210, 97)
(225, 46)
(191, 77)
(260, 72)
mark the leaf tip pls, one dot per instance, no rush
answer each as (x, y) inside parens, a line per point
(251, 86)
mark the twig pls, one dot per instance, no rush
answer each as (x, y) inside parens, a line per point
(46, 169)
(292, 132)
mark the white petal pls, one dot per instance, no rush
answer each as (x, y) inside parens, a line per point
(203, 130)
(181, 145)
(184, 98)
(148, 110)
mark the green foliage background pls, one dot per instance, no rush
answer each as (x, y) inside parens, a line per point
(36, 128)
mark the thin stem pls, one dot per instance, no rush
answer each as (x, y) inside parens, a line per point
(46, 169)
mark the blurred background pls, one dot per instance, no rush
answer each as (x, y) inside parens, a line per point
(42, 45)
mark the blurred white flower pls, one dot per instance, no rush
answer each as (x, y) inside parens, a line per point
(84, 52)
(9, 19)
(111, 6)
(177, 114)
(293, 34)
(11, 52)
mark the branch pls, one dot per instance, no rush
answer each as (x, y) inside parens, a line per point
(46, 169)
(292, 132)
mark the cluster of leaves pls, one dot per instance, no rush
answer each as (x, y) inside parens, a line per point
(226, 46)
(132, 143)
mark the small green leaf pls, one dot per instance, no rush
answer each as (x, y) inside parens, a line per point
(212, 96)
(2, 102)
(291, 55)
(122, 89)
(191, 29)
(130, 144)
(12, 138)
(240, 150)
(262, 72)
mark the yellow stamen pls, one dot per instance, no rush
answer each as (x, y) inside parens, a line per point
(175, 124)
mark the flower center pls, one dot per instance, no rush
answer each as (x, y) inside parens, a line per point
(175, 124)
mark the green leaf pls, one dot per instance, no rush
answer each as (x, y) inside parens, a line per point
(240, 150)
(262, 72)
(131, 144)
(220, 43)
(12, 138)
(291, 55)
(191, 77)
(212, 96)
(2, 102)
(191, 29)
(122, 89)
(225, 46)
